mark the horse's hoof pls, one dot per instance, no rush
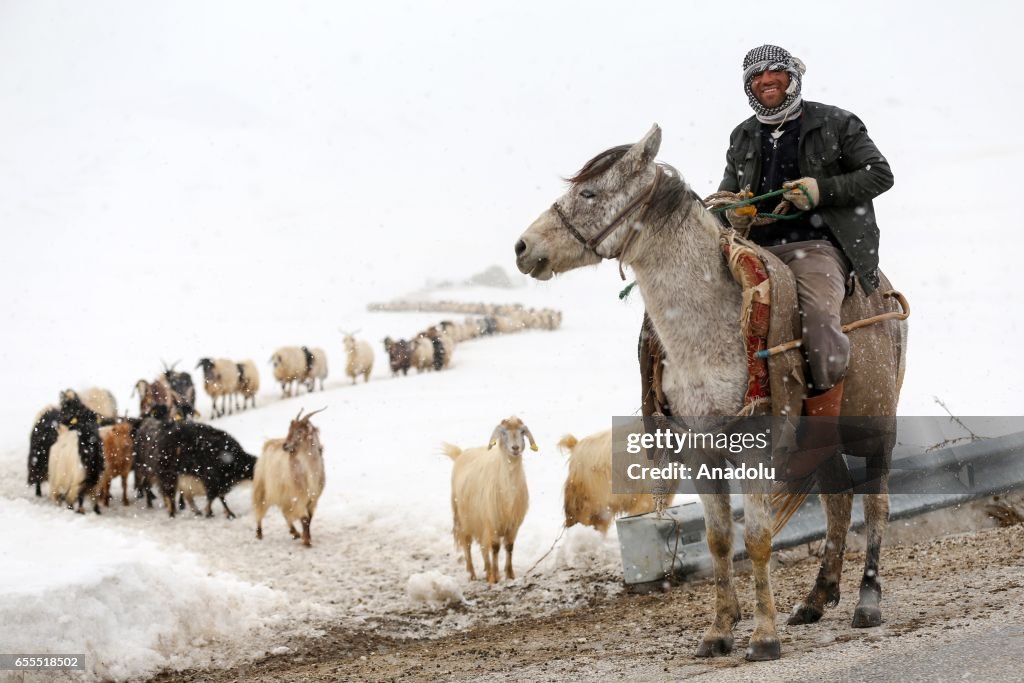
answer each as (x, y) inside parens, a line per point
(804, 613)
(763, 650)
(866, 616)
(714, 647)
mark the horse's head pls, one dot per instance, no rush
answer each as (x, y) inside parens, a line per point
(591, 220)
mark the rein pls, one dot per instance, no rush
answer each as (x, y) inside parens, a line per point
(642, 202)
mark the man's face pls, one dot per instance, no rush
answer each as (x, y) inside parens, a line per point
(769, 87)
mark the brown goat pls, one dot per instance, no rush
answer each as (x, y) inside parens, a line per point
(118, 458)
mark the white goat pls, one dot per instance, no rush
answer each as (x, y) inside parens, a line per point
(422, 354)
(290, 475)
(290, 367)
(65, 472)
(99, 401)
(360, 358)
(588, 487)
(248, 382)
(317, 370)
(489, 495)
(220, 379)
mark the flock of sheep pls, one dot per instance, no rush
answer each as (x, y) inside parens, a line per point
(81, 446)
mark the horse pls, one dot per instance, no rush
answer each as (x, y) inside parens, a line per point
(623, 204)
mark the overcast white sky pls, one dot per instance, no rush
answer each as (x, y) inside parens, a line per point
(211, 155)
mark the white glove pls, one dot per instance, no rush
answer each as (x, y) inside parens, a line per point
(802, 193)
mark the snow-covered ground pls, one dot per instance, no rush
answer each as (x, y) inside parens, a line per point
(177, 183)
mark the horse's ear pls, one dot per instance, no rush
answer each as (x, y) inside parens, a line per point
(642, 153)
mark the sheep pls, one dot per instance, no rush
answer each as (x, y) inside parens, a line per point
(248, 382)
(399, 355)
(489, 495)
(422, 354)
(44, 435)
(290, 475)
(359, 358)
(290, 367)
(220, 379)
(588, 487)
(317, 366)
(99, 401)
(76, 458)
(118, 457)
(210, 455)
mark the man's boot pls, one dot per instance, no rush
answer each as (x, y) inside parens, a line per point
(818, 438)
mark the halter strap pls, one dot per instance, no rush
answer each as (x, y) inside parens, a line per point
(643, 201)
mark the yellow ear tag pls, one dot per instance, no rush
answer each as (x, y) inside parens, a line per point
(533, 447)
(492, 444)
(74, 420)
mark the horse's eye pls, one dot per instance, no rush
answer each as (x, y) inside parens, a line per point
(588, 194)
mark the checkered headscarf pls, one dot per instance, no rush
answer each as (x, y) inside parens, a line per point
(773, 58)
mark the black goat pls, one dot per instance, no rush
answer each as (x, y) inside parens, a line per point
(44, 435)
(210, 455)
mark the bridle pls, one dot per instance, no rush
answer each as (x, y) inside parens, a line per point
(642, 202)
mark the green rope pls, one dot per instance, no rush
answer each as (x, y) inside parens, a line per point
(747, 202)
(624, 294)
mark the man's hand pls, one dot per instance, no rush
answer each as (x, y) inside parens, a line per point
(802, 193)
(742, 218)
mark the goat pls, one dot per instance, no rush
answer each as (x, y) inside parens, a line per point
(588, 487)
(44, 435)
(291, 366)
(359, 358)
(248, 382)
(220, 379)
(290, 475)
(147, 445)
(489, 495)
(210, 455)
(399, 355)
(317, 366)
(422, 354)
(99, 401)
(118, 457)
(76, 458)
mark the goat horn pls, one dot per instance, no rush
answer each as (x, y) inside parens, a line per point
(533, 444)
(299, 415)
(306, 419)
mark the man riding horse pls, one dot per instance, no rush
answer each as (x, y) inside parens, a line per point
(830, 170)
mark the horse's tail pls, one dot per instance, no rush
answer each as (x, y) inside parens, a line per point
(787, 497)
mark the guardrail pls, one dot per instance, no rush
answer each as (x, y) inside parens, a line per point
(675, 545)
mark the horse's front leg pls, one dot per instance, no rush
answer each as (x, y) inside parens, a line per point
(876, 517)
(837, 506)
(718, 639)
(757, 518)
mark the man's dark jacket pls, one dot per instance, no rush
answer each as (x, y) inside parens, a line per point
(836, 151)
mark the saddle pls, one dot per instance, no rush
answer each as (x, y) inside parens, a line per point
(769, 317)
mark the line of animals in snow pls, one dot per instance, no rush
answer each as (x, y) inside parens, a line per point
(168, 451)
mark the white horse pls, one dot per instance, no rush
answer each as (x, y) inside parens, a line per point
(624, 205)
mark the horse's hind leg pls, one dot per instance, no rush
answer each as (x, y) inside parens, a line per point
(764, 642)
(718, 639)
(825, 592)
(876, 516)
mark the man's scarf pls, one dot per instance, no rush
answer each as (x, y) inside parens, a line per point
(773, 58)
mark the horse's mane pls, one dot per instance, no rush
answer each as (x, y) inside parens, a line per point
(672, 192)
